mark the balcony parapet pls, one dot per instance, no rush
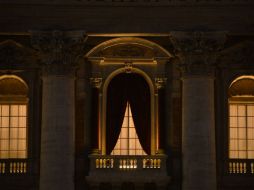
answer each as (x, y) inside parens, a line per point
(240, 167)
(135, 169)
(14, 166)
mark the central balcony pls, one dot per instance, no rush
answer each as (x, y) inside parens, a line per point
(134, 169)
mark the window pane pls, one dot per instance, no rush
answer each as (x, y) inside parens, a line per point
(132, 144)
(14, 133)
(242, 144)
(14, 122)
(241, 111)
(233, 122)
(22, 110)
(4, 154)
(124, 152)
(241, 122)
(21, 145)
(22, 133)
(131, 123)
(13, 154)
(5, 110)
(251, 154)
(13, 144)
(125, 122)
(124, 144)
(124, 133)
(22, 121)
(233, 133)
(132, 132)
(250, 133)
(242, 133)
(233, 110)
(242, 154)
(14, 110)
(21, 154)
(132, 152)
(233, 154)
(233, 145)
(250, 144)
(250, 121)
(5, 122)
(4, 145)
(4, 133)
(250, 110)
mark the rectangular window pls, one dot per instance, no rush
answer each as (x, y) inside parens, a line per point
(13, 131)
(241, 131)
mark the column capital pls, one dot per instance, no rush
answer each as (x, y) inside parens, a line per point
(197, 51)
(58, 51)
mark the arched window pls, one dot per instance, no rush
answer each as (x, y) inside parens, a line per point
(241, 118)
(128, 116)
(13, 117)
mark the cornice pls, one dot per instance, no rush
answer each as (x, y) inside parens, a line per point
(130, 2)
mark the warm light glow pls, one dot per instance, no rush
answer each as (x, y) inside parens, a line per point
(128, 142)
(241, 130)
(13, 134)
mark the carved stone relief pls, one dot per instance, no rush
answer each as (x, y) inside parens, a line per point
(58, 51)
(197, 52)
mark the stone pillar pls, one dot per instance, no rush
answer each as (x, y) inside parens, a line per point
(59, 57)
(197, 53)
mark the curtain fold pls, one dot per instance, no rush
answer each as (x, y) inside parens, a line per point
(116, 104)
(133, 88)
(139, 99)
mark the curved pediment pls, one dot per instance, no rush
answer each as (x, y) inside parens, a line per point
(13, 53)
(128, 47)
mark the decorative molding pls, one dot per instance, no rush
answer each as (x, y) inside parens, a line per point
(127, 47)
(58, 51)
(240, 55)
(13, 54)
(128, 66)
(160, 82)
(96, 82)
(197, 52)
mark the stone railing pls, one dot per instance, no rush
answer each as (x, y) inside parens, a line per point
(13, 166)
(127, 162)
(240, 166)
(134, 169)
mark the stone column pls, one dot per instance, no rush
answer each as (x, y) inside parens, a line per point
(197, 53)
(58, 53)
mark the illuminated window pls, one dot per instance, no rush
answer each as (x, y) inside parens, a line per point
(128, 142)
(13, 118)
(13, 131)
(241, 130)
(241, 119)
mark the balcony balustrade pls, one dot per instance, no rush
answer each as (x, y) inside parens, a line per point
(14, 166)
(240, 166)
(135, 169)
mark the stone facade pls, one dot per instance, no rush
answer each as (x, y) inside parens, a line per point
(190, 49)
